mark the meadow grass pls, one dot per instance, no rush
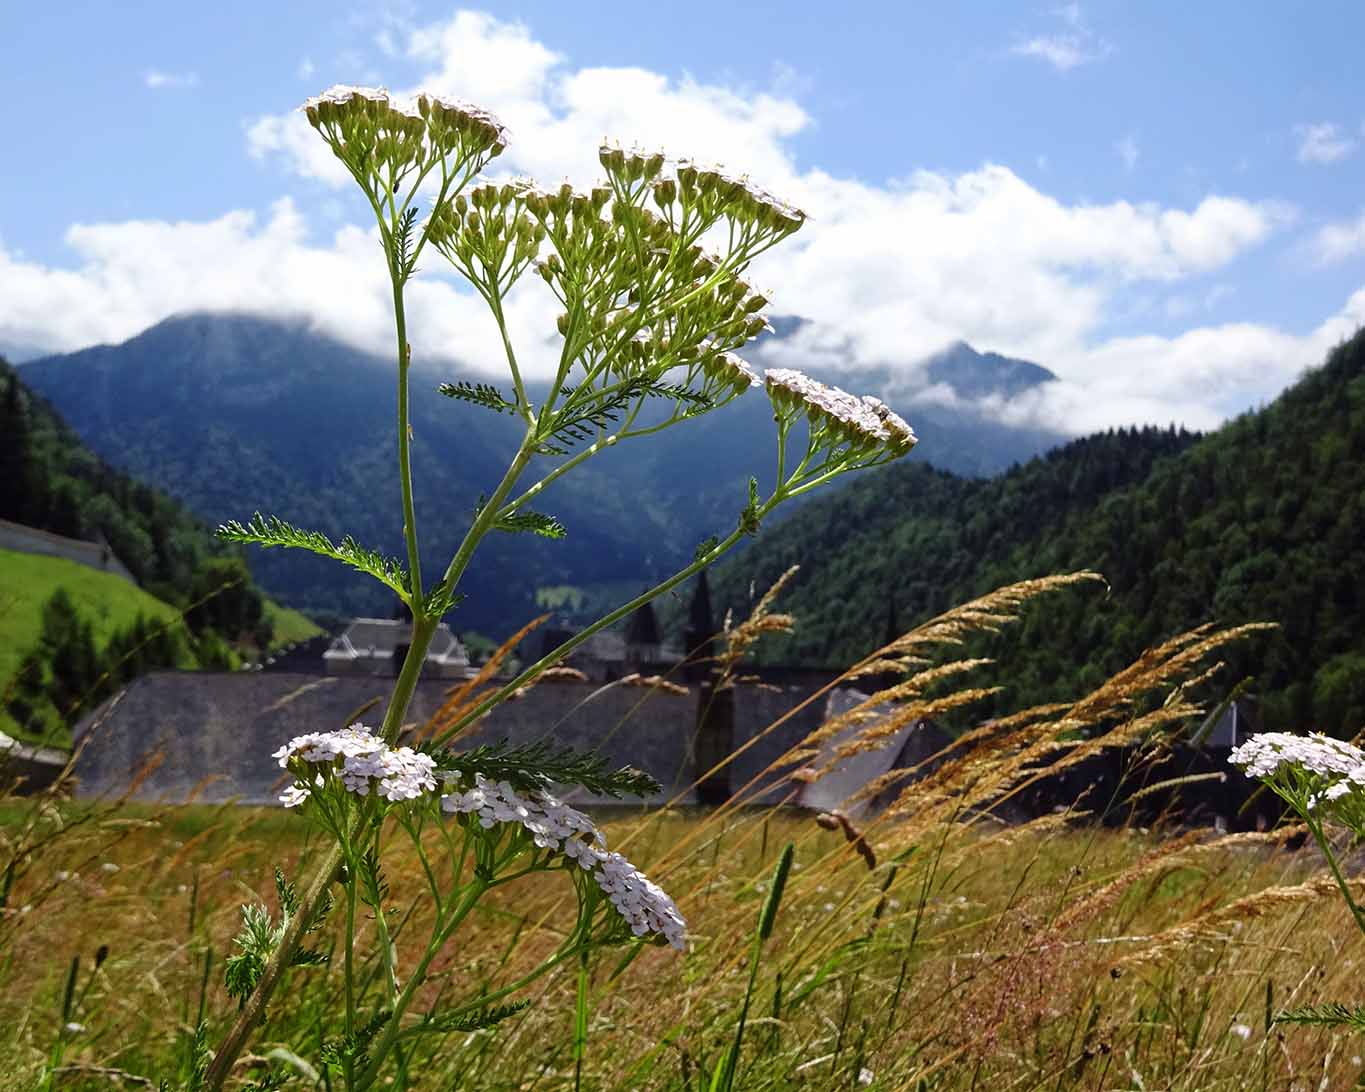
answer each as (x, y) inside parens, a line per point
(930, 946)
(1049, 956)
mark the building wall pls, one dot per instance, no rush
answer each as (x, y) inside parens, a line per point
(212, 733)
(30, 540)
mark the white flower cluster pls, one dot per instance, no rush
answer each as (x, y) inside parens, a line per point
(553, 825)
(363, 762)
(867, 421)
(454, 114)
(1266, 754)
(753, 201)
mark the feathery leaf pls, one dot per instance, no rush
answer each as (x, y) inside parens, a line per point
(272, 531)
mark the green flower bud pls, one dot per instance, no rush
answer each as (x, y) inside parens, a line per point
(665, 192)
(461, 205)
(653, 165)
(687, 178)
(562, 324)
(600, 196)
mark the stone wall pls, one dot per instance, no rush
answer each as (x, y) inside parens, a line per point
(209, 736)
(30, 540)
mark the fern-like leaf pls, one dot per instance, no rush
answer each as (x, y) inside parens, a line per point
(1331, 1014)
(355, 1046)
(535, 766)
(536, 523)
(406, 258)
(477, 1020)
(440, 601)
(478, 394)
(270, 531)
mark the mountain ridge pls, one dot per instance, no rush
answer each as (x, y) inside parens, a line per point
(236, 413)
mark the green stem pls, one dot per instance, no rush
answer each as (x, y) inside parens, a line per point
(348, 1071)
(405, 451)
(1321, 839)
(226, 1055)
(391, 1028)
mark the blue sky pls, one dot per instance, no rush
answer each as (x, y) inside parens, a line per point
(1161, 201)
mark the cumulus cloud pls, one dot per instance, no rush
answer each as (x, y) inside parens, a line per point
(1323, 142)
(157, 80)
(1062, 51)
(131, 275)
(1339, 241)
(1199, 378)
(883, 275)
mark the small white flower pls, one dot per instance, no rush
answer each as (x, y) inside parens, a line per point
(73, 1028)
(109, 867)
(1242, 1031)
(865, 1076)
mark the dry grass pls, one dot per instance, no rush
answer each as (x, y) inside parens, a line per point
(930, 947)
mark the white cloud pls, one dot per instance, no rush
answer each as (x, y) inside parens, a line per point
(1062, 51)
(131, 275)
(883, 274)
(1337, 242)
(1323, 142)
(1199, 378)
(1127, 150)
(1075, 46)
(157, 80)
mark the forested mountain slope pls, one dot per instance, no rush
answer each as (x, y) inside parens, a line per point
(1262, 520)
(233, 413)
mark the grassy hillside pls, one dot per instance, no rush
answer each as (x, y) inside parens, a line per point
(288, 626)
(1258, 521)
(107, 602)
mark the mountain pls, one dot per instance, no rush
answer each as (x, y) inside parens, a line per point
(1258, 521)
(974, 375)
(236, 413)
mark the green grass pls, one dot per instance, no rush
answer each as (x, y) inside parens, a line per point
(290, 626)
(559, 596)
(108, 602)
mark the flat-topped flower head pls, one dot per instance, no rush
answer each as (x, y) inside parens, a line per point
(452, 119)
(1267, 753)
(842, 417)
(1310, 771)
(361, 761)
(555, 826)
(369, 129)
(900, 436)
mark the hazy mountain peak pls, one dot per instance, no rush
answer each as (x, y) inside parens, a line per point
(973, 375)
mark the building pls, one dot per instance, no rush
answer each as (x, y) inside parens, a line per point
(376, 646)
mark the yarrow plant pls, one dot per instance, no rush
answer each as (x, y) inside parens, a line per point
(649, 316)
(1323, 781)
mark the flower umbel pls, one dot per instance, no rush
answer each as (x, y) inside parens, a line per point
(556, 826)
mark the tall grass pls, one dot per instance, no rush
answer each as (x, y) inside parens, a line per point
(932, 946)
